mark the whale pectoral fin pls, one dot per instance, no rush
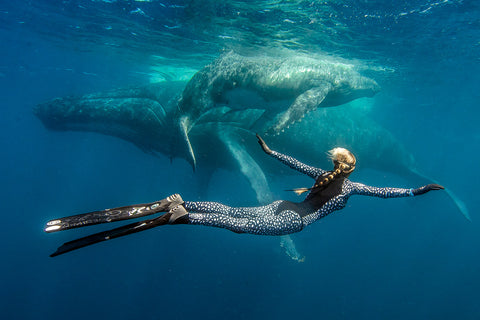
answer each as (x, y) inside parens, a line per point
(248, 166)
(184, 126)
(255, 175)
(461, 206)
(304, 103)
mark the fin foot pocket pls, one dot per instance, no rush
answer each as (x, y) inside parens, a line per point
(179, 215)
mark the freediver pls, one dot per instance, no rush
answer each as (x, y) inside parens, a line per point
(329, 193)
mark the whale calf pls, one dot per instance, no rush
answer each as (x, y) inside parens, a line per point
(304, 82)
(286, 88)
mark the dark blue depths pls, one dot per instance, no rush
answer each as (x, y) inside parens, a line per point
(412, 258)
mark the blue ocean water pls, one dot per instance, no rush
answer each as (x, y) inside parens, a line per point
(382, 259)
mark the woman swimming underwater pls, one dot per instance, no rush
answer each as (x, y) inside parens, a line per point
(329, 193)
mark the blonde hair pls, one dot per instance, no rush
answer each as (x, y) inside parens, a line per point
(344, 162)
(345, 159)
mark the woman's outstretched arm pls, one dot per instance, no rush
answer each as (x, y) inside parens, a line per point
(364, 190)
(291, 162)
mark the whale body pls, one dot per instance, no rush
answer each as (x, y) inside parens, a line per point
(285, 88)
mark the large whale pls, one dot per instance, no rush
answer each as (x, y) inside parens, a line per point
(159, 118)
(139, 115)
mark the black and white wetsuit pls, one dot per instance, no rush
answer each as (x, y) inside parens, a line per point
(277, 218)
(284, 217)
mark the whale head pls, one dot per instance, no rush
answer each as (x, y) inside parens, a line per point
(366, 87)
(349, 89)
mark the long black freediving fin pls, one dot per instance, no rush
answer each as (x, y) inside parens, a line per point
(106, 216)
(115, 214)
(111, 234)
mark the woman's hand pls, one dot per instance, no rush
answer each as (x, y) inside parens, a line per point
(263, 145)
(427, 188)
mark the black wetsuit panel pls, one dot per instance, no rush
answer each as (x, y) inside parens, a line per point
(320, 195)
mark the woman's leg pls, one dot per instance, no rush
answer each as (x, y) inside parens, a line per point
(266, 220)
(218, 208)
(177, 215)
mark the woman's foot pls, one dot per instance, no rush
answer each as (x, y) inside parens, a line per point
(178, 215)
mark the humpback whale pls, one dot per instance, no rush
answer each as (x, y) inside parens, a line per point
(160, 118)
(285, 88)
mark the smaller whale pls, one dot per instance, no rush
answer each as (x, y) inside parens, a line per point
(302, 82)
(285, 88)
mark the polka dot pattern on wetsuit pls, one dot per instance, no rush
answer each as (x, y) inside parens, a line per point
(272, 219)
